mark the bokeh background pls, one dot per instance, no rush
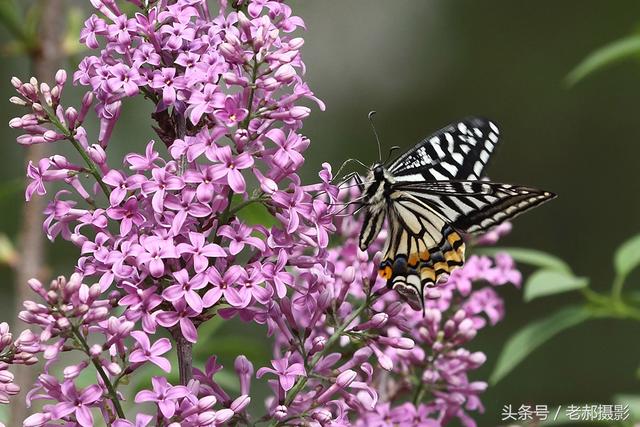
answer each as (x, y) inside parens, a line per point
(421, 65)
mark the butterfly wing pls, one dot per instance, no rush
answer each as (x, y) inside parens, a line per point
(421, 247)
(426, 219)
(459, 151)
(475, 206)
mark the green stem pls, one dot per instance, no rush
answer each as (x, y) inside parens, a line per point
(113, 395)
(419, 394)
(616, 288)
(93, 169)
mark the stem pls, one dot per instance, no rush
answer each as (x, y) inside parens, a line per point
(184, 349)
(616, 289)
(93, 169)
(113, 395)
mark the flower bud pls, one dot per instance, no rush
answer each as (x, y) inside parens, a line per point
(280, 412)
(322, 415)
(223, 415)
(61, 77)
(95, 350)
(345, 379)
(97, 154)
(16, 100)
(240, 403)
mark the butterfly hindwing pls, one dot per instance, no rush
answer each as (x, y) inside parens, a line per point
(458, 151)
(421, 248)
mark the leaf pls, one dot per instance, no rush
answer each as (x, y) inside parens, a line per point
(606, 55)
(531, 257)
(627, 256)
(532, 336)
(549, 282)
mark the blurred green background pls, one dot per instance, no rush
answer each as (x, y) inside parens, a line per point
(421, 65)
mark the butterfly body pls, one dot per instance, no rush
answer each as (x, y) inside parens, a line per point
(432, 195)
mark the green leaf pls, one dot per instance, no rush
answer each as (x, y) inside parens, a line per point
(532, 336)
(627, 256)
(606, 55)
(549, 282)
(531, 257)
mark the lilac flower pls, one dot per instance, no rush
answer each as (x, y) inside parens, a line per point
(128, 215)
(226, 286)
(121, 185)
(200, 251)
(286, 373)
(186, 288)
(181, 316)
(239, 235)
(205, 102)
(164, 395)
(167, 80)
(231, 114)
(77, 402)
(155, 250)
(150, 353)
(230, 167)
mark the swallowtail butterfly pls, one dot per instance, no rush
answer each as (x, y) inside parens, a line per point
(431, 196)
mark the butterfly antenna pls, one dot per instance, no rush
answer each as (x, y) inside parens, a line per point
(373, 126)
(391, 150)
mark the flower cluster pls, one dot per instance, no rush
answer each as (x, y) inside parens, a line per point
(165, 247)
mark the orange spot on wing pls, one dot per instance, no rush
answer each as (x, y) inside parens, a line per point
(385, 272)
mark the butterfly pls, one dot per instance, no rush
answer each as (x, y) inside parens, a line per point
(433, 195)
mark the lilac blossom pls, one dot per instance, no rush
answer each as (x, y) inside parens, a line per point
(163, 247)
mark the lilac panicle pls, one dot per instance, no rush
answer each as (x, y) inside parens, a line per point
(163, 247)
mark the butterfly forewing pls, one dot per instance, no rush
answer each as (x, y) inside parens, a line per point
(459, 151)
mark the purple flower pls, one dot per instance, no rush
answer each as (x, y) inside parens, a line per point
(286, 373)
(182, 316)
(121, 184)
(164, 395)
(289, 148)
(123, 78)
(155, 250)
(128, 215)
(227, 286)
(150, 353)
(205, 102)
(77, 402)
(186, 288)
(200, 251)
(167, 80)
(231, 114)
(239, 236)
(229, 168)
(162, 181)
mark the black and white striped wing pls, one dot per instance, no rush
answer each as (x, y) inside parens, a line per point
(475, 206)
(459, 151)
(425, 222)
(421, 246)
